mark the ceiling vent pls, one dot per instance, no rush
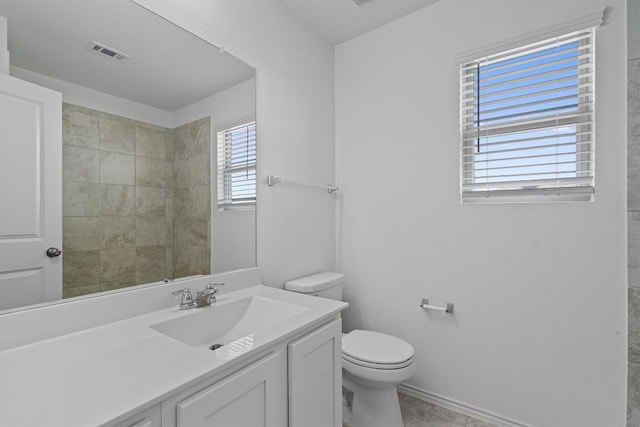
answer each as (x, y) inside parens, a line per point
(359, 2)
(107, 52)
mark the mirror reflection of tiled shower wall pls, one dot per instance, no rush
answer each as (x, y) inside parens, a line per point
(192, 198)
(118, 202)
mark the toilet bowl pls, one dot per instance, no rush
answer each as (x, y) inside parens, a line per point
(373, 363)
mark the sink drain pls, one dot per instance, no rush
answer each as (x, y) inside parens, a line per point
(215, 346)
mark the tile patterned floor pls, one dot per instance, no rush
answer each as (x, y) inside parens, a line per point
(418, 413)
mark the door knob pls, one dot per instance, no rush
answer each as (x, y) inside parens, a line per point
(53, 252)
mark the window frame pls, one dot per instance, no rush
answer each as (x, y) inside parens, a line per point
(584, 157)
(224, 198)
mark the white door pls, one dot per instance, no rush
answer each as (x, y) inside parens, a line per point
(248, 398)
(30, 193)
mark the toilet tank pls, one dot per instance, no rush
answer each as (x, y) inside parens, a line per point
(326, 285)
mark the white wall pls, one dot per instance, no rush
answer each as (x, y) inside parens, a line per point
(539, 330)
(295, 115)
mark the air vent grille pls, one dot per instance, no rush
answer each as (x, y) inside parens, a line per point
(107, 51)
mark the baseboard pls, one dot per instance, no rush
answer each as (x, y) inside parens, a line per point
(459, 407)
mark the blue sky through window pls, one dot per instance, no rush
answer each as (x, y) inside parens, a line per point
(519, 95)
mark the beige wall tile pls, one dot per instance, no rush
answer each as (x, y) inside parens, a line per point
(169, 202)
(80, 268)
(169, 181)
(150, 264)
(150, 201)
(191, 172)
(150, 142)
(633, 174)
(168, 144)
(633, 99)
(634, 323)
(80, 233)
(191, 231)
(149, 231)
(150, 172)
(169, 226)
(633, 248)
(100, 194)
(78, 291)
(80, 164)
(117, 168)
(79, 109)
(189, 260)
(118, 232)
(192, 139)
(80, 198)
(633, 395)
(80, 128)
(194, 201)
(117, 284)
(118, 264)
(117, 200)
(168, 251)
(117, 136)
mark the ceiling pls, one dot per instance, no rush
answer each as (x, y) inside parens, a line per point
(337, 21)
(169, 68)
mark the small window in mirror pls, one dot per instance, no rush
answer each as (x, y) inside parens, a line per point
(237, 167)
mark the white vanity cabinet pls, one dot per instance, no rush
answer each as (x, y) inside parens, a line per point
(297, 383)
(279, 366)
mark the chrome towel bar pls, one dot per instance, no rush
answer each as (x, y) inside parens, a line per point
(272, 180)
(447, 309)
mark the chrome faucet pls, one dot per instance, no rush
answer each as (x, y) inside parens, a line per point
(207, 296)
(187, 299)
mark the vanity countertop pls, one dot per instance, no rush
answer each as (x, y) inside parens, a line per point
(96, 375)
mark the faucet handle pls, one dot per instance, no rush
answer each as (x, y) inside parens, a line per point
(187, 299)
(213, 287)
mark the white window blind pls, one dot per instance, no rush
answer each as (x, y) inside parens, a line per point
(237, 166)
(527, 121)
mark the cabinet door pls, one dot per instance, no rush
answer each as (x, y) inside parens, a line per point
(248, 398)
(315, 378)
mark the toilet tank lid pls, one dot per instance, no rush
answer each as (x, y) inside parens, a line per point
(315, 282)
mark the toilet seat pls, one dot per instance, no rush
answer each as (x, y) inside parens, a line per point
(376, 350)
(374, 365)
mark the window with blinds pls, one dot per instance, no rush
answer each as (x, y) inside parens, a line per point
(527, 122)
(237, 166)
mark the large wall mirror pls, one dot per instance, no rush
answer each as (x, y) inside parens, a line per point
(158, 142)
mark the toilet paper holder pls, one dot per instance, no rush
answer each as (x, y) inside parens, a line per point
(425, 304)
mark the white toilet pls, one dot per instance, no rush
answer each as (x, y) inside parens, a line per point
(372, 363)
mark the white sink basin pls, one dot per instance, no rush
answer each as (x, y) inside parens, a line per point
(224, 322)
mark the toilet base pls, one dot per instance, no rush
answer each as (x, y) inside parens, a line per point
(373, 407)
